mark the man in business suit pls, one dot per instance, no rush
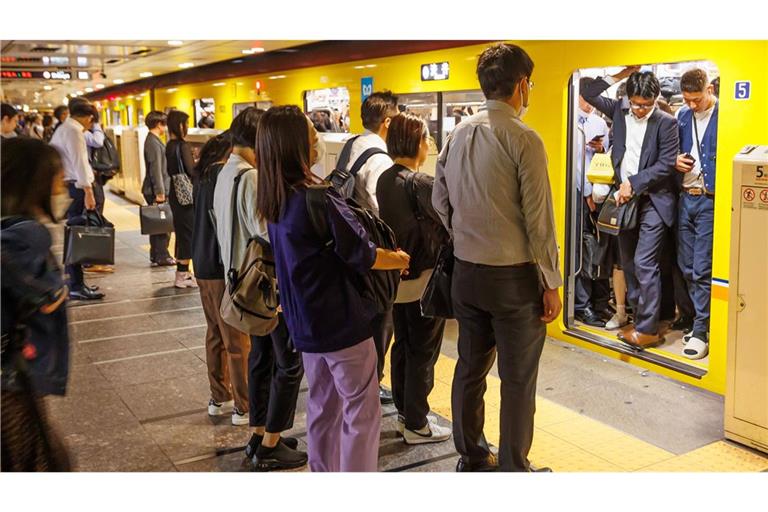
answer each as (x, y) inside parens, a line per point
(644, 154)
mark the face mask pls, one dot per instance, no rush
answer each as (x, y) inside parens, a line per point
(524, 103)
(320, 148)
(60, 204)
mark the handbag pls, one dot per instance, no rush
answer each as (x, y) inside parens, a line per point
(92, 243)
(436, 300)
(182, 185)
(615, 218)
(156, 219)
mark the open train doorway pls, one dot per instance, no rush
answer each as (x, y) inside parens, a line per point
(605, 299)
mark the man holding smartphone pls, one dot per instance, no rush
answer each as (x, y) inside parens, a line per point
(697, 127)
(592, 295)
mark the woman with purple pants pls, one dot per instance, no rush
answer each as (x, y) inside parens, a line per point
(327, 318)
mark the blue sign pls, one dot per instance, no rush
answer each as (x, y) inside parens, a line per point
(743, 90)
(366, 86)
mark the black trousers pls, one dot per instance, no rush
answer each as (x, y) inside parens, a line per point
(274, 376)
(76, 207)
(498, 310)
(383, 329)
(414, 354)
(590, 293)
(98, 193)
(158, 244)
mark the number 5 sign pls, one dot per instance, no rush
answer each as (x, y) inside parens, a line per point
(743, 90)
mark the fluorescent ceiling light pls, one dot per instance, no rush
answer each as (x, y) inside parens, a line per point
(79, 93)
(175, 43)
(276, 77)
(251, 51)
(89, 89)
(47, 87)
(172, 89)
(219, 84)
(370, 65)
(118, 81)
(359, 67)
(100, 86)
(145, 74)
(186, 65)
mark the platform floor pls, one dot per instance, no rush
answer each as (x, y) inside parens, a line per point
(138, 393)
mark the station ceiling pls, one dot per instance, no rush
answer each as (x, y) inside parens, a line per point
(42, 73)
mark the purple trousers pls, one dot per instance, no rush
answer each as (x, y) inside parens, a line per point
(343, 409)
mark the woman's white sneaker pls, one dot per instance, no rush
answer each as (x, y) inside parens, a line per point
(432, 433)
(217, 409)
(239, 418)
(617, 321)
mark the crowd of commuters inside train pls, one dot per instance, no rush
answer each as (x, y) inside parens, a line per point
(254, 204)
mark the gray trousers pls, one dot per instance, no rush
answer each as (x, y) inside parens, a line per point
(498, 310)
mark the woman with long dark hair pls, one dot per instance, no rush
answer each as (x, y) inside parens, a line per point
(178, 154)
(35, 343)
(226, 348)
(405, 204)
(328, 319)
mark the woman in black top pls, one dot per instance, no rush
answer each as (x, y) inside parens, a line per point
(226, 348)
(35, 344)
(178, 154)
(405, 204)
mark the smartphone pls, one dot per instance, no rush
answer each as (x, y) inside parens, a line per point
(597, 138)
(689, 156)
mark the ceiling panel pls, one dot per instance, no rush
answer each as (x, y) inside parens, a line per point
(117, 60)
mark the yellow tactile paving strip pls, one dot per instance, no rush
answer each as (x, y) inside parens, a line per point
(564, 440)
(570, 442)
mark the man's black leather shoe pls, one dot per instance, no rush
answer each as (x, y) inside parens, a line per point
(683, 324)
(589, 317)
(488, 465)
(385, 396)
(85, 293)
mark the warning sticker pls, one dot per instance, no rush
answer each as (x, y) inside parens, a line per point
(764, 195)
(749, 194)
(755, 198)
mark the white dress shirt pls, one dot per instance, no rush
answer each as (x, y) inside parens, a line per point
(69, 140)
(634, 143)
(368, 176)
(95, 137)
(694, 179)
(593, 125)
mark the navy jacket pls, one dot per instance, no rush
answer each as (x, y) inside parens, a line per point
(656, 175)
(708, 140)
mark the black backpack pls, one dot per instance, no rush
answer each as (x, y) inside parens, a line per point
(105, 159)
(379, 287)
(343, 180)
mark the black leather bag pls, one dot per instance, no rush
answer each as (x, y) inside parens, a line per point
(92, 243)
(436, 300)
(615, 218)
(156, 219)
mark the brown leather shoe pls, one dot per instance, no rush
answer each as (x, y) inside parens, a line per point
(638, 339)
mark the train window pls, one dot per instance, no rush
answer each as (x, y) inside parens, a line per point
(424, 105)
(328, 108)
(652, 285)
(458, 105)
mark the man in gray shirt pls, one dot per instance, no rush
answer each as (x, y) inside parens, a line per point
(492, 193)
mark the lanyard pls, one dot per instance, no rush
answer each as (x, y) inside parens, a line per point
(696, 131)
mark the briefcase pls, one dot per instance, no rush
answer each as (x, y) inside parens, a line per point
(156, 219)
(615, 218)
(89, 244)
(436, 300)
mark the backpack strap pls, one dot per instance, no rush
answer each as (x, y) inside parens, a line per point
(232, 273)
(363, 158)
(343, 160)
(317, 208)
(413, 196)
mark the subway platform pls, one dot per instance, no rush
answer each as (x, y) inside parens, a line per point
(138, 393)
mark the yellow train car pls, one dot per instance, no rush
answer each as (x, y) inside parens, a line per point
(742, 121)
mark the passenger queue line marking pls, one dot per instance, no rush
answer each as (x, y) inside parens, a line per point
(151, 354)
(161, 331)
(128, 301)
(146, 313)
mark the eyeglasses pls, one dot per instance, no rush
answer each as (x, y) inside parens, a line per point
(530, 84)
(635, 106)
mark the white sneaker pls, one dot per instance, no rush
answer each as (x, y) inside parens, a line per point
(617, 321)
(696, 348)
(185, 280)
(217, 409)
(239, 418)
(432, 433)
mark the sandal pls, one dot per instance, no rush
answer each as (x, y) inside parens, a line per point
(695, 348)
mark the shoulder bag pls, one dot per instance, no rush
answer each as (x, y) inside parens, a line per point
(182, 185)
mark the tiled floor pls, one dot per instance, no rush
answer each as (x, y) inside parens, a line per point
(138, 392)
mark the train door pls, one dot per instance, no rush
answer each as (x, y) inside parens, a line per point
(595, 282)
(458, 105)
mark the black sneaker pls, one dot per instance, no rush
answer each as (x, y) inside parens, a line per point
(255, 442)
(488, 465)
(277, 458)
(385, 396)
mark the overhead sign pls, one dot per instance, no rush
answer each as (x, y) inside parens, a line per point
(57, 75)
(83, 75)
(435, 71)
(17, 74)
(366, 86)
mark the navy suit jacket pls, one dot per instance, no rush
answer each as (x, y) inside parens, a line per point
(656, 175)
